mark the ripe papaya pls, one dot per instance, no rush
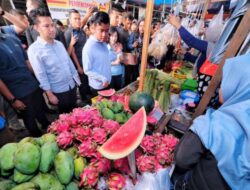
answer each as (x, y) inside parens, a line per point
(64, 167)
(79, 165)
(27, 158)
(7, 156)
(47, 181)
(26, 186)
(48, 153)
(21, 178)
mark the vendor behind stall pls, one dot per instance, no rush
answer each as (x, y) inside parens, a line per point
(214, 153)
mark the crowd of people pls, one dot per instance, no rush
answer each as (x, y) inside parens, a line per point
(47, 63)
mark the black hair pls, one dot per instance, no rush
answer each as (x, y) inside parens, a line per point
(118, 8)
(41, 12)
(128, 16)
(58, 22)
(73, 11)
(112, 30)
(40, 3)
(100, 18)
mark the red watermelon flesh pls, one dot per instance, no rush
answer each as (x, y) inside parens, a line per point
(127, 138)
(107, 93)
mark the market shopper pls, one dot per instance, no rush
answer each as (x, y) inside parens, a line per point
(18, 86)
(115, 14)
(18, 26)
(52, 65)
(215, 151)
(116, 57)
(31, 33)
(75, 40)
(95, 56)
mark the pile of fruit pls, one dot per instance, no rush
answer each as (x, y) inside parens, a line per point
(68, 157)
(38, 164)
(113, 110)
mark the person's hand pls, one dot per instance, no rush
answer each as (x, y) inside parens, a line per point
(80, 70)
(19, 105)
(118, 47)
(90, 11)
(135, 44)
(175, 21)
(73, 40)
(53, 99)
(105, 84)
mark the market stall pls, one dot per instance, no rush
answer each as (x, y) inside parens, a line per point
(125, 139)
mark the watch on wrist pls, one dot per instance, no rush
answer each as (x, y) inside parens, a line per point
(12, 101)
(2, 13)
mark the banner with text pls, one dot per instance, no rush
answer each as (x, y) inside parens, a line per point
(59, 8)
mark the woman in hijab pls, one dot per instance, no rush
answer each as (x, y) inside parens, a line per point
(215, 153)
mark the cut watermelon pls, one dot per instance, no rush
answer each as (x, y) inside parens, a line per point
(107, 93)
(127, 138)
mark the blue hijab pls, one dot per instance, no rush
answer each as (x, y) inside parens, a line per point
(226, 131)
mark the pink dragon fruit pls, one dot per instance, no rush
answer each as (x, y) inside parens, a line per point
(146, 163)
(163, 155)
(110, 126)
(97, 155)
(102, 165)
(99, 135)
(87, 148)
(63, 117)
(116, 181)
(148, 144)
(64, 139)
(157, 139)
(97, 120)
(58, 127)
(72, 121)
(89, 177)
(122, 165)
(170, 142)
(81, 133)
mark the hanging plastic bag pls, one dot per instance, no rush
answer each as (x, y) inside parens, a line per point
(215, 27)
(156, 181)
(147, 182)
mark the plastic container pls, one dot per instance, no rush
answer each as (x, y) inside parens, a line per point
(188, 96)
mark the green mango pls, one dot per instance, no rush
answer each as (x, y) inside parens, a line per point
(118, 107)
(48, 137)
(121, 118)
(6, 173)
(107, 113)
(30, 140)
(7, 156)
(21, 178)
(48, 153)
(47, 182)
(73, 151)
(72, 186)
(27, 158)
(79, 164)
(26, 186)
(64, 167)
(7, 184)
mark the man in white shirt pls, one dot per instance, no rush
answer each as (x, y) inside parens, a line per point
(95, 54)
(51, 63)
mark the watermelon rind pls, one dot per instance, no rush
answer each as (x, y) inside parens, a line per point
(134, 143)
